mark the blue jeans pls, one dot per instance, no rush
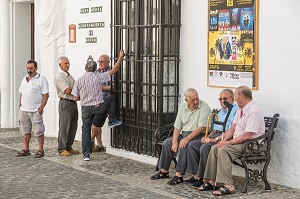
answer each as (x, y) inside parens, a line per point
(88, 115)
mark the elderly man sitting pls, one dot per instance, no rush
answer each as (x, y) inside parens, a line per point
(248, 123)
(190, 122)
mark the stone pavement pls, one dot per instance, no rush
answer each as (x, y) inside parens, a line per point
(105, 176)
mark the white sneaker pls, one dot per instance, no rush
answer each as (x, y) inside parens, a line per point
(86, 157)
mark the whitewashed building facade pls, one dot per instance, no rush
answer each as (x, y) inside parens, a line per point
(43, 30)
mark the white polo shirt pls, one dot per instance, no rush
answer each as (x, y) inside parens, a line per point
(32, 92)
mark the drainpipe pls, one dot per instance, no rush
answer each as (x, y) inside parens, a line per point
(5, 66)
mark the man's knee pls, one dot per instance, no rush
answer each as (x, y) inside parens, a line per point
(223, 152)
(214, 149)
(206, 147)
(167, 142)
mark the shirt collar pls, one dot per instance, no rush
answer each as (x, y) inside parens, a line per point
(247, 107)
(105, 70)
(35, 77)
(187, 106)
(226, 110)
(64, 72)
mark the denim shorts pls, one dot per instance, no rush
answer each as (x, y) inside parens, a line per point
(100, 119)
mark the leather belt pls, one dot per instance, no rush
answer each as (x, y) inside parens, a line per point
(68, 100)
(92, 106)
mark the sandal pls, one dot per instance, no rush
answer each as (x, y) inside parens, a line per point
(176, 180)
(223, 191)
(205, 187)
(23, 152)
(39, 154)
(160, 175)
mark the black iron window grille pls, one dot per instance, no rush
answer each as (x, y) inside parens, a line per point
(146, 86)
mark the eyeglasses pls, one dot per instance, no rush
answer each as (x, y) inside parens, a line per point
(224, 98)
(100, 61)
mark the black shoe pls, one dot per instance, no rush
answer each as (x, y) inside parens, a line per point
(176, 180)
(198, 184)
(160, 175)
(191, 180)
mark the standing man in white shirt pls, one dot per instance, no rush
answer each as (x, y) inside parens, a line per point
(34, 94)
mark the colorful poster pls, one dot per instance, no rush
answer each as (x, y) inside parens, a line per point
(232, 43)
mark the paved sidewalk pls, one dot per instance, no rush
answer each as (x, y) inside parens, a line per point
(105, 176)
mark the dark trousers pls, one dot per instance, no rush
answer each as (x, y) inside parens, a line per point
(68, 122)
(88, 115)
(198, 155)
(167, 154)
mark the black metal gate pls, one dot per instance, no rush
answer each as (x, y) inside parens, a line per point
(147, 84)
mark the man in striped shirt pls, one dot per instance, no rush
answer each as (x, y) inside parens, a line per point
(88, 89)
(67, 109)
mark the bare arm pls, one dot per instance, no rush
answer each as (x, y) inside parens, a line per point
(68, 90)
(175, 140)
(106, 88)
(76, 98)
(186, 140)
(20, 101)
(241, 138)
(118, 63)
(227, 136)
(229, 132)
(44, 102)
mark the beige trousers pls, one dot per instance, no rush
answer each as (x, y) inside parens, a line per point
(219, 164)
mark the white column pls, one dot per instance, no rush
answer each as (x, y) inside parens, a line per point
(5, 66)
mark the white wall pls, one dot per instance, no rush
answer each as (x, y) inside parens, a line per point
(77, 53)
(279, 70)
(21, 49)
(277, 92)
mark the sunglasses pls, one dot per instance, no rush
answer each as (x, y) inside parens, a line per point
(224, 99)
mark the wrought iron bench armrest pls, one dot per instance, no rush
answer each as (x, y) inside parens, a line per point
(262, 144)
(256, 151)
(164, 132)
(161, 134)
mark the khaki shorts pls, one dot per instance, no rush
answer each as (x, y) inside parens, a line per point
(31, 121)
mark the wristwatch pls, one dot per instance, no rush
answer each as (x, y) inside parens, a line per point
(217, 139)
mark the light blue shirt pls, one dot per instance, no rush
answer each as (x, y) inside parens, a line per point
(221, 117)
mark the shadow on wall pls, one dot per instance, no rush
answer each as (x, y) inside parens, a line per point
(284, 167)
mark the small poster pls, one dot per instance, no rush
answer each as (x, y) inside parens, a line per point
(232, 43)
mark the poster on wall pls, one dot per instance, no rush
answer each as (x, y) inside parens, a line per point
(232, 43)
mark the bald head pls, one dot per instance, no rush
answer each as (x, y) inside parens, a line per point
(103, 62)
(245, 91)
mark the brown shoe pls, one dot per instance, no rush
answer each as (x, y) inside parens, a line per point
(39, 154)
(99, 149)
(73, 151)
(64, 153)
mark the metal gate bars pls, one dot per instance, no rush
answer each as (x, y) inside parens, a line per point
(146, 86)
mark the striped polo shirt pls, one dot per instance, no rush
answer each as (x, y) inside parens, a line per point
(62, 81)
(89, 88)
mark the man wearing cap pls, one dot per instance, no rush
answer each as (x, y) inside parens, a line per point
(88, 89)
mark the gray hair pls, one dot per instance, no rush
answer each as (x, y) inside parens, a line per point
(188, 91)
(91, 66)
(245, 91)
(63, 58)
(231, 94)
